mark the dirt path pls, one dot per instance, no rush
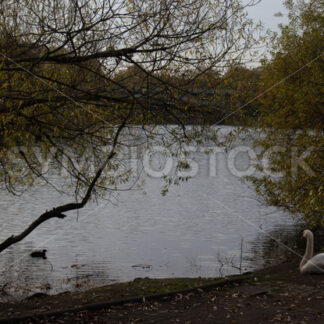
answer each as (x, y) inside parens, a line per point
(275, 295)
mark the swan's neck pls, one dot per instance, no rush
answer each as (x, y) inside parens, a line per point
(309, 250)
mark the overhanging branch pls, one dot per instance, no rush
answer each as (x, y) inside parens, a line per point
(58, 212)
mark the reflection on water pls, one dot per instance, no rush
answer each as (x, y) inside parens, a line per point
(196, 230)
(280, 243)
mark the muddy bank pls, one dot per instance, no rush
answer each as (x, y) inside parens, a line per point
(275, 295)
(118, 293)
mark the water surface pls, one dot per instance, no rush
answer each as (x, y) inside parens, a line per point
(209, 226)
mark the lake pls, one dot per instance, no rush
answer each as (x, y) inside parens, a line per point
(213, 225)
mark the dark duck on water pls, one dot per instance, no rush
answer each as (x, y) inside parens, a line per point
(39, 254)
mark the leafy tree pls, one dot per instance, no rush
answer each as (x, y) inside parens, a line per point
(291, 115)
(81, 79)
(242, 86)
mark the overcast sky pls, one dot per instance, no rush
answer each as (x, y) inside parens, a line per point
(265, 11)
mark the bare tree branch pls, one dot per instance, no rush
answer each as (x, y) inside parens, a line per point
(58, 212)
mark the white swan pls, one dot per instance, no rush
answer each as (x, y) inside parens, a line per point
(310, 264)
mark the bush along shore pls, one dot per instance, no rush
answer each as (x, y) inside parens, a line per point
(278, 294)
